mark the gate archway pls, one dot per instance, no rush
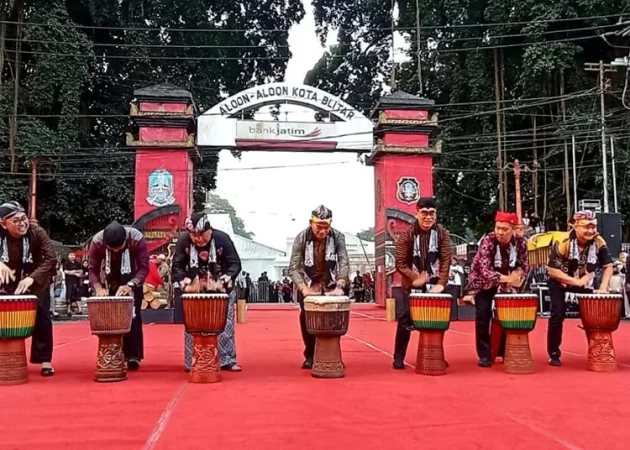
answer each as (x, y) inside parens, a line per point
(397, 136)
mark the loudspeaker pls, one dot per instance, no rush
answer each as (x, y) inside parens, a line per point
(609, 227)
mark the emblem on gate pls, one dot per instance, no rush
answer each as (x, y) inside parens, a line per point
(161, 188)
(408, 190)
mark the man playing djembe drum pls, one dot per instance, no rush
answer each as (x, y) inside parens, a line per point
(206, 260)
(27, 264)
(423, 258)
(126, 257)
(500, 265)
(572, 262)
(318, 264)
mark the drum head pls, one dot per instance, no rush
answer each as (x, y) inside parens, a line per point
(17, 298)
(428, 295)
(205, 296)
(324, 299)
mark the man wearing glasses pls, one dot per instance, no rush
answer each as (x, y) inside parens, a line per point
(423, 258)
(27, 264)
(319, 264)
(572, 264)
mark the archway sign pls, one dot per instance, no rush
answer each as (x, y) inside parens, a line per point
(348, 130)
(399, 142)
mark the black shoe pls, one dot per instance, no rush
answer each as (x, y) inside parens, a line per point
(307, 364)
(398, 364)
(555, 361)
(48, 372)
(133, 364)
(484, 362)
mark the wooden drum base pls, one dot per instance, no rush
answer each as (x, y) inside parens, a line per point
(205, 367)
(518, 357)
(601, 352)
(110, 363)
(13, 367)
(327, 360)
(430, 359)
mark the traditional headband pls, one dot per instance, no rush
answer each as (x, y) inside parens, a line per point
(10, 209)
(318, 220)
(587, 216)
(321, 213)
(203, 224)
(507, 217)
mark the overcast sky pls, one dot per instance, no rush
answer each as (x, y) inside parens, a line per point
(275, 203)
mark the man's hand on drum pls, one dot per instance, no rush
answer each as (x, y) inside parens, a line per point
(6, 274)
(24, 285)
(226, 281)
(124, 291)
(515, 278)
(437, 289)
(583, 280)
(215, 286)
(421, 280)
(100, 291)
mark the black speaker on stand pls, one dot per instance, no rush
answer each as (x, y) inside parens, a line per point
(609, 227)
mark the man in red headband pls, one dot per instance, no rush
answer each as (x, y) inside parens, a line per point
(573, 260)
(500, 265)
(423, 258)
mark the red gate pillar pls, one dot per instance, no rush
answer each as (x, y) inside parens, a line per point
(403, 172)
(163, 134)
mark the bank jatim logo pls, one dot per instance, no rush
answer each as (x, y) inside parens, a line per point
(279, 130)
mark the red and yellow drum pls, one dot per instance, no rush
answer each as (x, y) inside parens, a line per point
(327, 318)
(205, 317)
(600, 315)
(517, 314)
(110, 320)
(431, 316)
(17, 319)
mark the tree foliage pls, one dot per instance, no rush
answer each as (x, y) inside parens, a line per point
(77, 64)
(367, 234)
(534, 51)
(216, 204)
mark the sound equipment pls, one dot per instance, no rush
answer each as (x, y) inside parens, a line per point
(609, 227)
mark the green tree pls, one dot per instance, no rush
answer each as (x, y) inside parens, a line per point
(216, 204)
(76, 64)
(536, 51)
(367, 234)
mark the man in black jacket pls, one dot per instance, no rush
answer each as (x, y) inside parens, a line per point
(206, 260)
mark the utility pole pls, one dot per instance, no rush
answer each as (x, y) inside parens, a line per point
(575, 197)
(565, 176)
(418, 54)
(602, 69)
(614, 173)
(517, 168)
(32, 214)
(497, 94)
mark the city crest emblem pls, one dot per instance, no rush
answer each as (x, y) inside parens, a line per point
(408, 190)
(161, 188)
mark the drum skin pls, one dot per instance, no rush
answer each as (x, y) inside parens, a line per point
(517, 314)
(17, 319)
(205, 317)
(327, 318)
(600, 315)
(431, 315)
(110, 320)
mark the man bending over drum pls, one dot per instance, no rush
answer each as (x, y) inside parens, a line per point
(500, 266)
(27, 264)
(318, 265)
(572, 263)
(126, 257)
(423, 258)
(206, 260)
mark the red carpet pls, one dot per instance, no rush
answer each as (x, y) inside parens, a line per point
(273, 404)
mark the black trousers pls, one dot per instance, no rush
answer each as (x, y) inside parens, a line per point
(405, 324)
(308, 339)
(42, 339)
(483, 317)
(133, 342)
(558, 312)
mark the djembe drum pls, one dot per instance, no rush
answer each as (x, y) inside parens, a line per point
(430, 315)
(600, 315)
(327, 318)
(205, 317)
(110, 320)
(517, 314)
(17, 319)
